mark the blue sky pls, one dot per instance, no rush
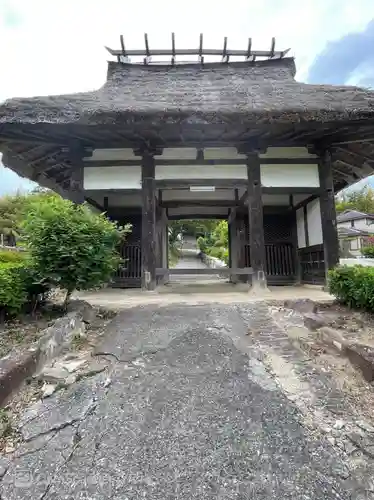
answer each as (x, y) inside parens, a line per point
(57, 46)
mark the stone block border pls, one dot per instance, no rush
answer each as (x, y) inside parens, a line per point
(360, 355)
(18, 365)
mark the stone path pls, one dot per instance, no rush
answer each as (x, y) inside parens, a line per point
(193, 262)
(206, 401)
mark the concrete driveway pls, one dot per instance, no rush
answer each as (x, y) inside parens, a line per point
(205, 401)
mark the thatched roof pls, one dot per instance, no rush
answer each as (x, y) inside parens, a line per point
(250, 92)
(191, 105)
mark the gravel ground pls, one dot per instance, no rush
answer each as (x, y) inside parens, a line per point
(208, 401)
(27, 329)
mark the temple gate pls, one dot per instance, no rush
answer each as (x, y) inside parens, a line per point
(172, 139)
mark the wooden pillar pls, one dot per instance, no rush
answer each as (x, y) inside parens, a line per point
(106, 205)
(296, 254)
(328, 212)
(164, 243)
(256, 223)
(234, 247)
(148, 240)
(76, 154)
(76, 182)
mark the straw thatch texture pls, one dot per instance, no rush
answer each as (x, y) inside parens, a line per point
(260, 92)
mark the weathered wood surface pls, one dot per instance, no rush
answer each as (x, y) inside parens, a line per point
(306, 225)
(328, 211)
(204, 271)
(76, 183)
(256, 221)
(148, 238)
(234, 247)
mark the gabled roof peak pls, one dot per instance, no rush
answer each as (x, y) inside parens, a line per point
(173, 55)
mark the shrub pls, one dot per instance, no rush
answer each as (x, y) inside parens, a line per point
(70, 246)
(216, 252)
(202, 244)
(13, 294)
(353, 286)
(368, 251)
(225, 256)
(20, 287)
(219, 243)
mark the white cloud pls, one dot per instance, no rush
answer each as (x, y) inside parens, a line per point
(57, 46)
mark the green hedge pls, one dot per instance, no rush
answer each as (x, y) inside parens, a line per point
(20, 288)
(219, 253)
(353, 286)
(368, 251)
(13, 293)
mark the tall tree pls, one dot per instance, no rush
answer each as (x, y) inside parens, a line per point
(361, 200)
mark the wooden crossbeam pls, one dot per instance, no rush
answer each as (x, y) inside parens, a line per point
(200, 51)
(200, 203)
(204, 271)
(359, 156)
(166, 162)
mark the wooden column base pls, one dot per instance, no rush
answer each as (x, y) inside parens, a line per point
(259, 284)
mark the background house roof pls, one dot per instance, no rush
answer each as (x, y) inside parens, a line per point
(350, 232)
(349, 215)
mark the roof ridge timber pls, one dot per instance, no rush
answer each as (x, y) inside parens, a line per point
(123, 54)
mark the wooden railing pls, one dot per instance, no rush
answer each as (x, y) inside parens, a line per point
(312, 265)
(280, 260)
(130, 270)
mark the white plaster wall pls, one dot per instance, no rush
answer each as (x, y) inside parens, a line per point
(271, 175)
(112, 178)
(111, 154)
(201, 172)
(358, 224)
(301, 242)
(186, 194)
(314, 223)
(345, 224)
(302, 175)
(209, 153)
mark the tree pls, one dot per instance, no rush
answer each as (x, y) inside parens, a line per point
(361, 200)
(215, 243)
(221, 234)
(71, 247)
(13, 208)
(193, 227)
